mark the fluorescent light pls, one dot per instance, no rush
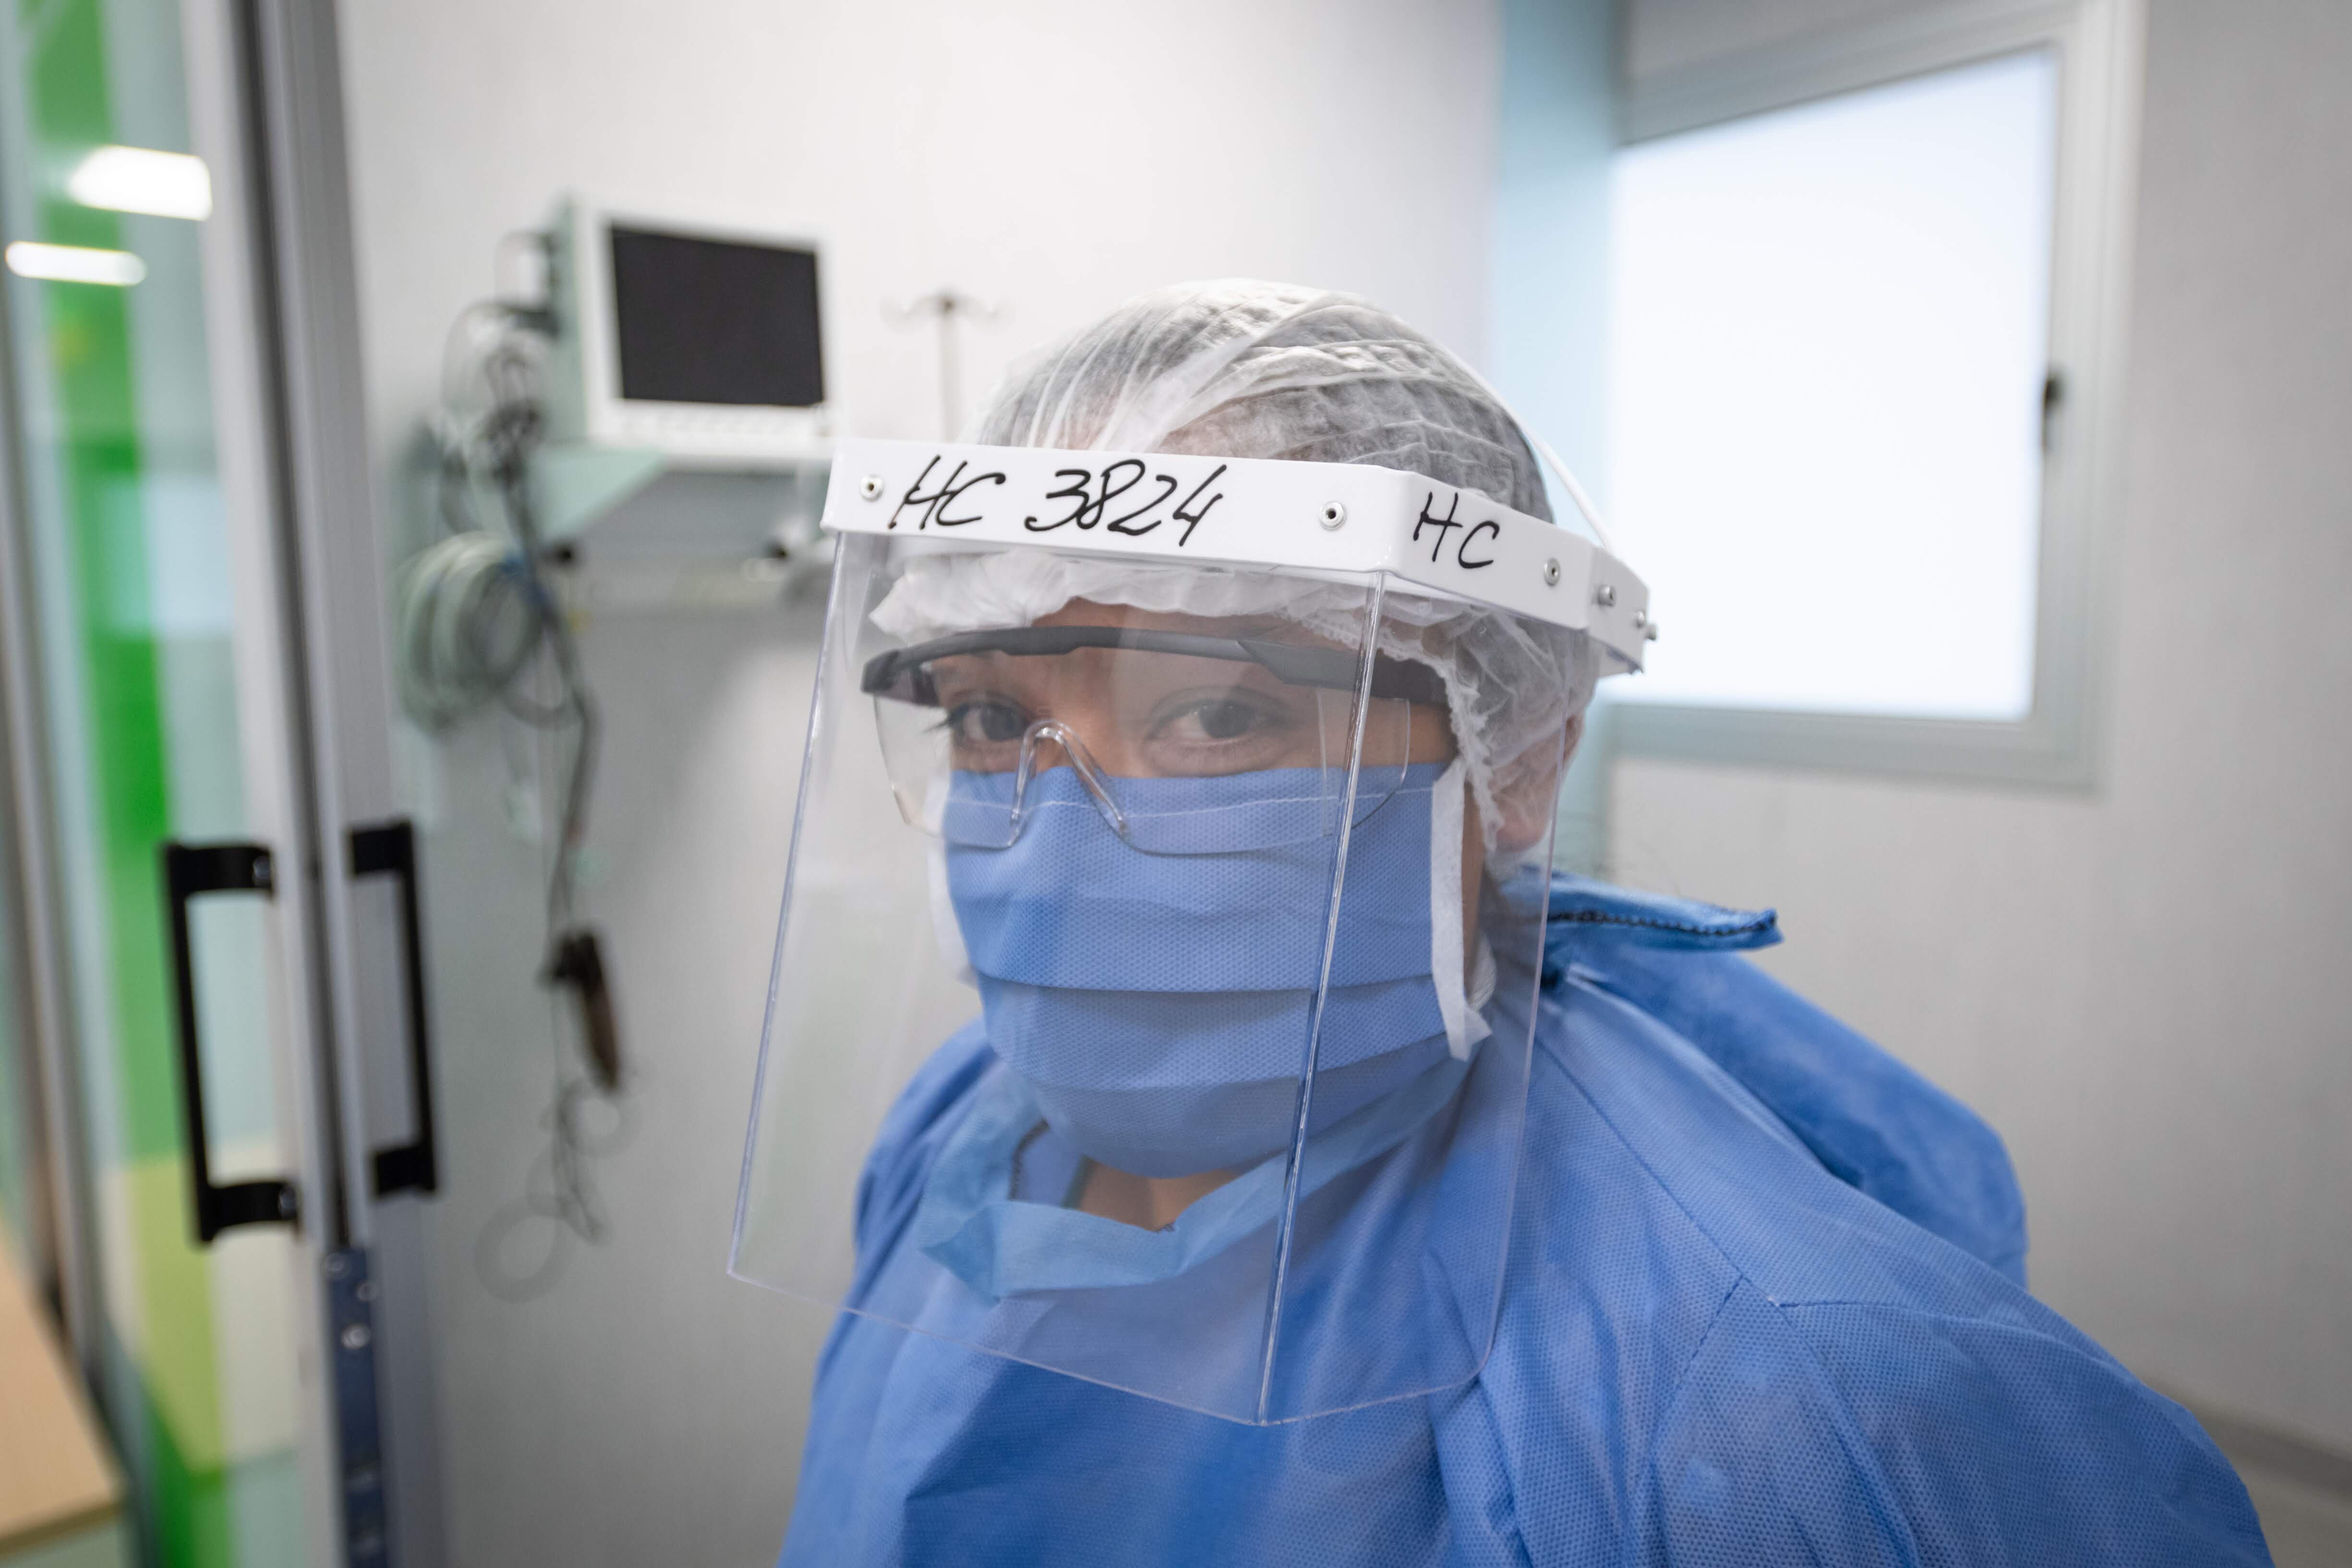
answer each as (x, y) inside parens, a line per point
(75, 264)
(142, 179)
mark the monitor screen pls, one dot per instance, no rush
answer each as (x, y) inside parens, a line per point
(710, 321)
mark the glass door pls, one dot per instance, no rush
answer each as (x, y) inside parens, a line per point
(148, 581)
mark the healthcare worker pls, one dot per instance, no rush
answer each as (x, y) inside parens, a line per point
(1308, 1176)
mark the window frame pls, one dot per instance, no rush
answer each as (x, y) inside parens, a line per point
(2097, 46)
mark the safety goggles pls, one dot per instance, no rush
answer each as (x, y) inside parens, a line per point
(969, 722)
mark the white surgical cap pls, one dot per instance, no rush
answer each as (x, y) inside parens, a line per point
(1239, 368)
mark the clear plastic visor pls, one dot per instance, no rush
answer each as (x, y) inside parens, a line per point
(1184, 1046)
(1117, 710)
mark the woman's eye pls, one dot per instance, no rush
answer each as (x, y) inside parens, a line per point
(988, 723)
(1219, 720)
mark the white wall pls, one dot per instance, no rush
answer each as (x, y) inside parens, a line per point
(1053, 156)
(2144, 986)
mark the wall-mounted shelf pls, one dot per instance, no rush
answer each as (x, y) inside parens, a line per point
(652, 531)
(573, 484)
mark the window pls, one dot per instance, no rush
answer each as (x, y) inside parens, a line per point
(1862, 290)
(1831, 330)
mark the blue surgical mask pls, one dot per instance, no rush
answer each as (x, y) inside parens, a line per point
(1158, 1007)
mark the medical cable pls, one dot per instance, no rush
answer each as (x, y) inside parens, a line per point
(480, 622)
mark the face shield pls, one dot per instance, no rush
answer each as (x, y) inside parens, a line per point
(1154, 992)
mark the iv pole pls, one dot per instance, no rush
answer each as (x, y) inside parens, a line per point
(947, 306)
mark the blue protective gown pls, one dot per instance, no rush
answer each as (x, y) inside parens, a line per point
(1765, 1304)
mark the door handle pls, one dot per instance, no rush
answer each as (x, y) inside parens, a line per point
(191, 871)
(389, 849)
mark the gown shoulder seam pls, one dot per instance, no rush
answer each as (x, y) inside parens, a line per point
(1682, 1380)
(2096, 1356)
(1648, 1170)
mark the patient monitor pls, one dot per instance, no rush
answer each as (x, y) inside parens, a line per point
(701, 342)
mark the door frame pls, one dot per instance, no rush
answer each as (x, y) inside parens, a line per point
(265, 89)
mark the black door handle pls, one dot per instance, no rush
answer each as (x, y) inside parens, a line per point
(389, 849)
(190, 871)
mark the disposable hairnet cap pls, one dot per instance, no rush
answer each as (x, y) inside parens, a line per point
(1241, 368)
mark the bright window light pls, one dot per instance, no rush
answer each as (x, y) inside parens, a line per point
(1829, 339)
(74, 264)
(142, 179)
